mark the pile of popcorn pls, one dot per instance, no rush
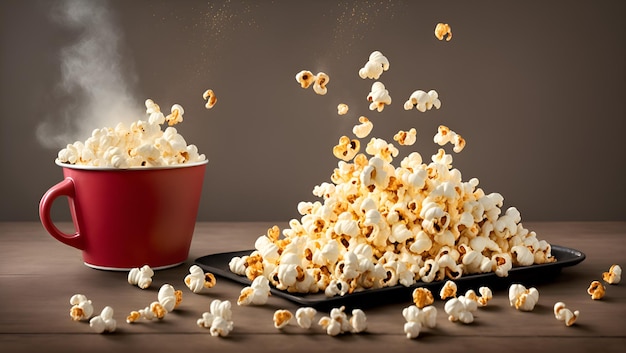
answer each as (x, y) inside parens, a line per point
(142, 144)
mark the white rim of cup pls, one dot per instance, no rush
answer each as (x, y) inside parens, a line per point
(91, 167)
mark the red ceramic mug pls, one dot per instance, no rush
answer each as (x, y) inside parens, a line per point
(127, 218)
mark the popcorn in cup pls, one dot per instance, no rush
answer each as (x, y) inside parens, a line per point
(128, 215)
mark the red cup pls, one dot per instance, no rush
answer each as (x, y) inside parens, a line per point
(127, 218)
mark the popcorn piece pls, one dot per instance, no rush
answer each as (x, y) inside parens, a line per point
(406, 138)
(346, 149)
(423, 101)
(460, 309)
(614, 276)
(210, 98)
(256, 294)
(422, 297)
(196, 280)
(176, 116)
(304, 316)
(445, 135)
(562, 313)
(321, 80)
(305, 78)
(485, 296)
(416, 318)
(169, 297)
(448, 290)
(358, 321)
(103, 322)
(337, 323)
(219, 319)
(596, 290)
(342, 109)
(282, 318)
(364, 128)
(378, 97)
(374, 67)
(443, 29)
(82, 308)
(142, 277)
(522, 298)
(238, 265)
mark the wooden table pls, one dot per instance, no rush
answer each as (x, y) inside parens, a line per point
(38, 275)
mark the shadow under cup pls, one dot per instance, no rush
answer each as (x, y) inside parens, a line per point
(127, 218)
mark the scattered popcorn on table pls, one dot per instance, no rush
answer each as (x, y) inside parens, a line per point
(406, 138)
(346, 149)
(82, 308)
(337, 323)
(417, 317)
(523, 299)
(282, 318)
(423, 101)
(169, 297)
(142, 144)
(485, 296)
(378, 97)
(364, 127)
(448, 290)
(196, 280)
(614, 276)
(305, 316)
(358, 321)
(596, 290)
(442, 30)
(422, 297)
(141, 277)
(103, 322)
(461, 309)
(256, 294)
(219, 319)
(342, 109)
(562, 313)
(375, 66)
(210, 98)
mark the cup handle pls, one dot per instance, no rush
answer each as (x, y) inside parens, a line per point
(63, 188)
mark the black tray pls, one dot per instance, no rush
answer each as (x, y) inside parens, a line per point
(528, 275)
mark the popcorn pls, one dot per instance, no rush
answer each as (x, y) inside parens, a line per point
(614, 276)
(282, 318)
(103, 322)
(196, 280)
(176, 116)
(562, 313)
(338, 322)
(522, 298)
(378, 97)
(448, 290)
(321, 80)
(346, 149)
(485, 296)
(256, 294)
(219, 319)
(443, 29)
(342, 109)
(406, 138)
(142, 144)
(374, 67)
(364, 128)
(422, 297)
(142, 277)
(210, 98)
(358, 321)
(445, 135)
(423, 101)
(304, 316)
(169, 297)
(596, 290)
(417, 317)
(305, 78)
(461, 309)
(82, 308)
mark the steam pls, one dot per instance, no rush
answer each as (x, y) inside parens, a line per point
(95, 89)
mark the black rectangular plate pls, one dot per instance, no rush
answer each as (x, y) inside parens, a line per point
(528, 275)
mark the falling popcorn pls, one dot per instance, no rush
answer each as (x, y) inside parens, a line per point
(423, 101)
(375, 66)
(210, 98)
(305, 78)
(346, 149)
(443, 29)
(364, 127)
(378, 97)
(319, 86)
(142, 277)
(176, 116)
(342, 109)
(406, 138)
(445, 135)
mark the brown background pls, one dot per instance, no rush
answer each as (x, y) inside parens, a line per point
(537, 88)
